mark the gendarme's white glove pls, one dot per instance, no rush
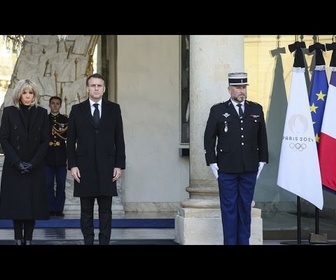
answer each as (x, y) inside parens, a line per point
(214, 169)
(261, 166)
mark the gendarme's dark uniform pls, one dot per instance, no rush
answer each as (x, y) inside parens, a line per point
(237, 145)
(56, 154)
(242, 143)
(56, 163)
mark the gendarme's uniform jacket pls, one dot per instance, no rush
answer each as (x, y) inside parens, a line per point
(24, 196)
(95, 150)
(56, 155)
(236, 145)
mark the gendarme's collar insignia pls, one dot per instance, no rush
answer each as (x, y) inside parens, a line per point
(226, 115)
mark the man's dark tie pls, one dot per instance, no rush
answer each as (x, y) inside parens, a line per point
(240, 110)
(96, 114)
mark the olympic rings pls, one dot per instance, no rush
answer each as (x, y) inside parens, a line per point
(298, 146)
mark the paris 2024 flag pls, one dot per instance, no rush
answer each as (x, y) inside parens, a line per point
(299, 170)
(327, 146)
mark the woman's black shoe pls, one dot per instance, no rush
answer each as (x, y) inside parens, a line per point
(19, 242)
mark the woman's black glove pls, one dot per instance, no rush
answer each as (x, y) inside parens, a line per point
(24, 167)
(21, 167)
(28, 166)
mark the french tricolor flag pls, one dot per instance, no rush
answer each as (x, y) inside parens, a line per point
(327, 145)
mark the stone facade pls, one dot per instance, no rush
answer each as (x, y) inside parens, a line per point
(59, 67)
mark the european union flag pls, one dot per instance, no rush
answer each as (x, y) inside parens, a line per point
(318, 97)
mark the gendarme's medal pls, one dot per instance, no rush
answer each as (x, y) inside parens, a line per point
(226, 127)
(226, 115)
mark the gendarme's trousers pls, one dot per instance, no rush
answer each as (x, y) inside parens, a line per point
(56, 193)
(104, 216)
(236, 194)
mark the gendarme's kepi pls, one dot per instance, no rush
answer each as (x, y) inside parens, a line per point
(237, 79)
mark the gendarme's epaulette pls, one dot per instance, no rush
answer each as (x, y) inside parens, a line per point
(227, 103)
(216, 104)
(251, 102)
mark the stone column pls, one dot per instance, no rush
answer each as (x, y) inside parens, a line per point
(198, 220)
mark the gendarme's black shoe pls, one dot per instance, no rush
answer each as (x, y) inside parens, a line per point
(52, 213)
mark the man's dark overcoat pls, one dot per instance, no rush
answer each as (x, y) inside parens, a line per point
(95, 150)
(23, 196)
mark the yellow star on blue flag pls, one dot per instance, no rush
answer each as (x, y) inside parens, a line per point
(318, 96)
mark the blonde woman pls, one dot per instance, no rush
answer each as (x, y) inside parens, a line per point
(24, 137)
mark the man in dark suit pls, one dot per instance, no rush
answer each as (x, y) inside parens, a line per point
(236, 148)
(56, 158)
(96, 156)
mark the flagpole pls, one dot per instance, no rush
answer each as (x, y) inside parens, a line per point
(319, 88)
(298, 206)
(317, 48)
(317, 220)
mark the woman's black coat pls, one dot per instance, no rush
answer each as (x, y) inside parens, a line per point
(23, 196)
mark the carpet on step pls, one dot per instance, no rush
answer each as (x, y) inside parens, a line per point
(112, 242)
(116, 223)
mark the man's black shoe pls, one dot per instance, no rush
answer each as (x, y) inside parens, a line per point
(59, 214)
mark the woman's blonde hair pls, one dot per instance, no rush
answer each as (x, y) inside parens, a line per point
(20, 88)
